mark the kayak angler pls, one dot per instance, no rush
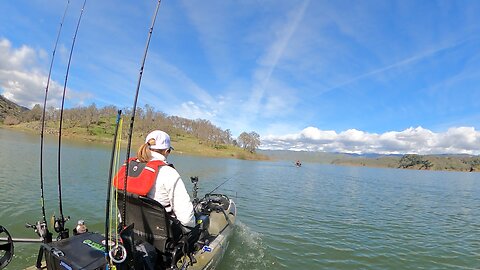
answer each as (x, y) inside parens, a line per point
(146, 236)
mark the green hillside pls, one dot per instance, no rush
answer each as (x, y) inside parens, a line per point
(103, 133)
(9, 108)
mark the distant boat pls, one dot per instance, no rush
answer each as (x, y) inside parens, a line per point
(298, 163)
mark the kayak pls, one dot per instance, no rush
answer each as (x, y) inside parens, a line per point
(220, 228)
(216, 215)
(221, 218)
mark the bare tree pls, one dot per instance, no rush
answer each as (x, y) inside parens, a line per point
(249, 141)
(146, 120)
(11, 120)
(91, 116)
(51, 114)
(35, 114)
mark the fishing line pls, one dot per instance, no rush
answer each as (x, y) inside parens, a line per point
(60, 228)
(224, 182)
(113, 166)
(117, 162)
(43, 113)
(219, 186)
(132, 120)
(114, 207)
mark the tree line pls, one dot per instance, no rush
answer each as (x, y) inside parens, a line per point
(414, 161)
(102, 120)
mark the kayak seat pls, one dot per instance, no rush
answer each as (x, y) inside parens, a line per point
(154, 225)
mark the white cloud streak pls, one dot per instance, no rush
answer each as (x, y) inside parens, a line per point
(457, 140)
(263, 75)
(401, 63)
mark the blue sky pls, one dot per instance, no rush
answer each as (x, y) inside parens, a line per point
(350, 76)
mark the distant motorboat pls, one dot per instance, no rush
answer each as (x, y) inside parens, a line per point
(298, 163)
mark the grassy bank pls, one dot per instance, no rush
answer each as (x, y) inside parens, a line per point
(184, 144)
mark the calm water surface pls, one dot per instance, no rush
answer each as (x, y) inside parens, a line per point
(313, 217)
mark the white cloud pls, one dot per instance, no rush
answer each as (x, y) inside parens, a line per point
(458, 140)
(23, 82)
(191, 110)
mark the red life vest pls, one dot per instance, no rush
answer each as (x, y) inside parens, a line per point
(141, 176)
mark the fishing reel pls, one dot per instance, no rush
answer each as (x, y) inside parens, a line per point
(41, 230)
(6, 249)
(118, 254)
(194, 179)
(59, 226)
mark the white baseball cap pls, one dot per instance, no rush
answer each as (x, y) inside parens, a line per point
(162, 140)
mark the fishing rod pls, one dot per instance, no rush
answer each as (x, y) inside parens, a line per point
(60, 222)
(219, 186)
(132, 120)
(195, 200)
(43, 228)
(112, 160)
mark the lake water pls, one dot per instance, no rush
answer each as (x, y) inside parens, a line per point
(313, 217)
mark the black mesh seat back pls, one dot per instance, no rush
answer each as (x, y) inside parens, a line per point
(151, 222)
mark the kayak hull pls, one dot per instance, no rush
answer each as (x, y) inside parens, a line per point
(221, 228)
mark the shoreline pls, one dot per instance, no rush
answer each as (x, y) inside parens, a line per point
(189, 147)
(183, 146)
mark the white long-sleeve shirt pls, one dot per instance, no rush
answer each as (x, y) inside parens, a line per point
(170, 191)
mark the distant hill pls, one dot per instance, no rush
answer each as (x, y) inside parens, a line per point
(8, 107)
(450, 162)
(304, 156)
(193, 137)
